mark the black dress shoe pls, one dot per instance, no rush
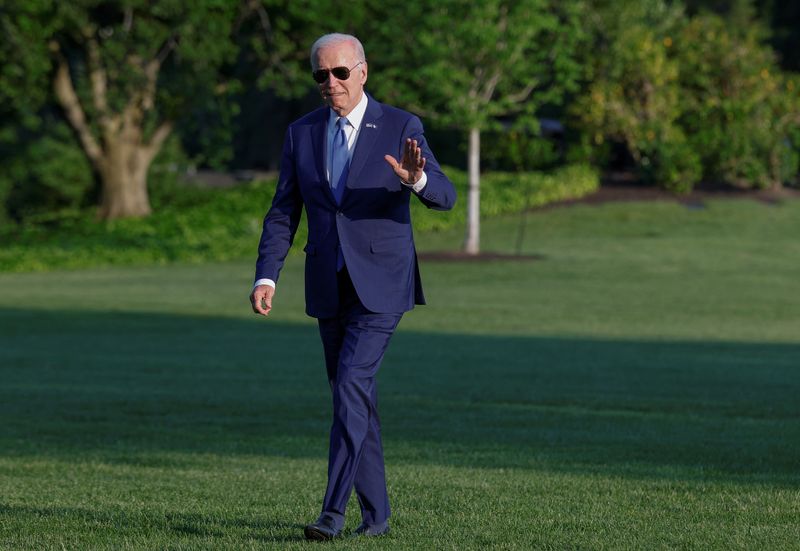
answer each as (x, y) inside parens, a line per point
(372, 529)
(322, 530)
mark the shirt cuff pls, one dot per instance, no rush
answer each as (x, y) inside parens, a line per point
(263, 281)
(419, 185)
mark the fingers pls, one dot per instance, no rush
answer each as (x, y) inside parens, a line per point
(409, 168)
(413, 154)
(397, 167)
(408, 150)
(392, 161)
(256, 302)
(261, 299)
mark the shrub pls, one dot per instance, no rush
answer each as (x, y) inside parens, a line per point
(44, 173)
(737, 107)
(505, 192)
(669, 160)
(632, 95)
(519, 151)
(691, 98)
(192, 225)
(200, 224)
(46, 176)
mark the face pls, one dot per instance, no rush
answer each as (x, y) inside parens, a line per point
(341, 95)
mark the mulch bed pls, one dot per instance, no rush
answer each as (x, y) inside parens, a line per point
(621, 187)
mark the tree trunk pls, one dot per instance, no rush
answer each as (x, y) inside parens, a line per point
(120, 155)
(124, 181)
(472, 241)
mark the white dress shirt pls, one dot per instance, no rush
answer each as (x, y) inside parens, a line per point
(351, 130)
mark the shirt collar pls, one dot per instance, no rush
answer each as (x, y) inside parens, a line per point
(354, 118)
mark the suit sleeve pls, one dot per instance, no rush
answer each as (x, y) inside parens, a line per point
(282, 219)
(439, 193)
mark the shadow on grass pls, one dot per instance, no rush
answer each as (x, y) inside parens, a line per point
(127, 387)
(189, 525)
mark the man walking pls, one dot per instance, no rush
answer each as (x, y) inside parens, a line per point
(354, 166)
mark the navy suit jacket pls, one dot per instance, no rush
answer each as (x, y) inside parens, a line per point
(372, 224)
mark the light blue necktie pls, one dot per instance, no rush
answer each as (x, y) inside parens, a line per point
(340, 159)
(340, 167)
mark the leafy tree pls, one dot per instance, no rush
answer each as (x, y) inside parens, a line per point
(738, 109)
(470, 63)
(125, 72)
(117, 69)
(691, 98)
(632, 93)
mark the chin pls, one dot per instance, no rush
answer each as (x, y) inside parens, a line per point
(336, 99)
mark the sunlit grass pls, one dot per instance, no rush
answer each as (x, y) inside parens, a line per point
(634, 389)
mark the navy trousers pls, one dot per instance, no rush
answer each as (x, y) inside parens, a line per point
(354, 343)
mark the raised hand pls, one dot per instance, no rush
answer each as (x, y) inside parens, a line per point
(410, 167)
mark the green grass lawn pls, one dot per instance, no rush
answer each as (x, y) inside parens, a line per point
(638, 387)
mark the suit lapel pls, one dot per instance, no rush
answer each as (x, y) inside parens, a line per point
(319, 142)
(366, 140)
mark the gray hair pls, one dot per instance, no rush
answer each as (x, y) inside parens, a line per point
(337, 38)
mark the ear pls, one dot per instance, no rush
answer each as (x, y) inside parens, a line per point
(364, 71)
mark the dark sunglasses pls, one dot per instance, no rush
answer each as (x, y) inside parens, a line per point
(341, 73)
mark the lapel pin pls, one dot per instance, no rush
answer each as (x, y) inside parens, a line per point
(370, 125)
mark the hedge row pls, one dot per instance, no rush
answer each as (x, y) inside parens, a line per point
(505, 192)
(199, 224)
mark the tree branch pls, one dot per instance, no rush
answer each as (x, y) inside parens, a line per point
(65, 93)
(156, 142)
(523, 94)
(127, 24)
(489, 87)
(477, 76)
(146, 96)
(143, 100)
(99, 83)
(170, 44)
(275, 59)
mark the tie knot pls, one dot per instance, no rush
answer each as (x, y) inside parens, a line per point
(343, 122)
